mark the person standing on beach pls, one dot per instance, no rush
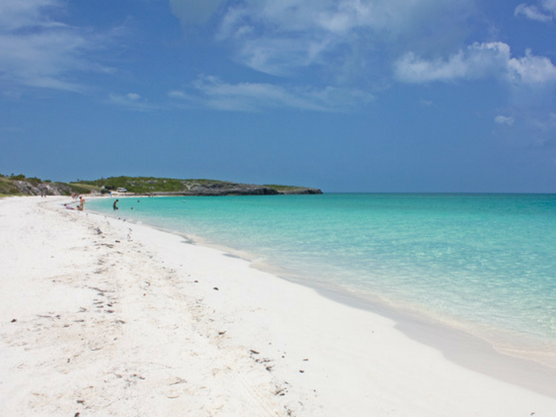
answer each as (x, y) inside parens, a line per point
(115, 206)
(81, 203)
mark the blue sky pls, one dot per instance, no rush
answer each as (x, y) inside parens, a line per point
(344, 95)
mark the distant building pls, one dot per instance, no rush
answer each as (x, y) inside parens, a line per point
(121, 190)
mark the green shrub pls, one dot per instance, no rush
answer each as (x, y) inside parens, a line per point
(34, 181)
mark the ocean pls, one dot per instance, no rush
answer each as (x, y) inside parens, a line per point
(484, 263)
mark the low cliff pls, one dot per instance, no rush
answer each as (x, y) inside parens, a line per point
(192, 187)
(20, 185)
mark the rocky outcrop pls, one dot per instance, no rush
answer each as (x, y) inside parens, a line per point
(46, 188)
(301, 190)
(231, 189)
(21, 185)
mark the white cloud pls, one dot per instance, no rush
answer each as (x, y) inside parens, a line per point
(212, 92)
(532, 12)
(40, 60)
(131, 101)
(38, 51)
(478, 61)
(528, 128)
(549, 5)
(281, 57)
(342, 16)
(25, 13)
(280, 37)
(194, 11)
(531, 69)
(504, 120)
(548, 124)
(546, 12)
(180, 95)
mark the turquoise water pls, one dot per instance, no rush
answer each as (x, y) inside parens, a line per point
(486, 263)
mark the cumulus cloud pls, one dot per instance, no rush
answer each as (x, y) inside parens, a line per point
(478, 61)
(546, 12)
(211, 92)
(38, 51)
(531, 69)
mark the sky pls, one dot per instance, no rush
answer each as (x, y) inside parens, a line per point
(342, 95)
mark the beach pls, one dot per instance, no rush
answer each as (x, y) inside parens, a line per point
(102, 317)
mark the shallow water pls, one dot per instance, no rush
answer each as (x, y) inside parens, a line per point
(486, 263)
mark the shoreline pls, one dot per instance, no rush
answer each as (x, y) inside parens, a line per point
(404, 313)
(494, 345)
(420, 326)
(207, 333)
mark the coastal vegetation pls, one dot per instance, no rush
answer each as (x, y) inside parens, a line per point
(21, 185)
(172, 186)
(11, 185)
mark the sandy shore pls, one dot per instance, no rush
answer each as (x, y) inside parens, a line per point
(100, 317)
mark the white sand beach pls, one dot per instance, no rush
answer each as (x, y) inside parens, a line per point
(101, 317)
